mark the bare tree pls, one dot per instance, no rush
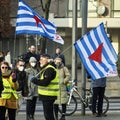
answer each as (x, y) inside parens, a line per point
(5, 27)
(45, 4)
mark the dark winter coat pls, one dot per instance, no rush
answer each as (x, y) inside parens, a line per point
(22, 80)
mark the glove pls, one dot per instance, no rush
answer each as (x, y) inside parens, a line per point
(14, 77)
(31, 78)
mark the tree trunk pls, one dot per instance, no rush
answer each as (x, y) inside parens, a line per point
(46, 16)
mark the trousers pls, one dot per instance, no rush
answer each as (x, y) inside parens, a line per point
(48, 109)
(11, 113)
(30, 108)
(56, 110)
(98, 95)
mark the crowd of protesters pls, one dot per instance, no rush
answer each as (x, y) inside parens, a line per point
(15, 80)
(36, 76)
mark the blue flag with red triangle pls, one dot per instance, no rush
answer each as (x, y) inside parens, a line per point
(29, 22)
(97, 53)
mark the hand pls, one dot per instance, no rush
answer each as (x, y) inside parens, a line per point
(14, 77)
(31, 78)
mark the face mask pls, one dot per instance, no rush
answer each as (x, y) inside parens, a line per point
(58, 65)
(21, 68)
(33, 64)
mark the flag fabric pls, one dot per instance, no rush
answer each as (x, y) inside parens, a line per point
(58, 39)
(29, 22)
(97, 53)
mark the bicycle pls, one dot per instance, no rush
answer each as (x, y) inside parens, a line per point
(87, 102)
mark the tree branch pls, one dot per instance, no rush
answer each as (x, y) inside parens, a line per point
(42, 5)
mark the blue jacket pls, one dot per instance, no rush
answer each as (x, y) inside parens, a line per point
(98, 82)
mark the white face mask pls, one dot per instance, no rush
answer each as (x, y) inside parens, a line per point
(33, 64)
(21, 68)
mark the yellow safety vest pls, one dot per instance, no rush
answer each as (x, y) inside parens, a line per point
(8, 90)
(52, 88)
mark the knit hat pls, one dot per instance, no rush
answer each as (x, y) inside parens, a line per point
(57, 59)
(32, 59)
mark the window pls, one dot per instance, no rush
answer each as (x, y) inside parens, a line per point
(115, 11)
(91, 8)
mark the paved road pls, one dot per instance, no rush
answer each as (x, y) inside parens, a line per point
(112, 114)
(76, 116)
(114, 105)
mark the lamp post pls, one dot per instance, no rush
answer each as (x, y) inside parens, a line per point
(84, 30)
(74, 37)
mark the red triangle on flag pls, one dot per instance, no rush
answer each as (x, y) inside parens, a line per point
(97, 55)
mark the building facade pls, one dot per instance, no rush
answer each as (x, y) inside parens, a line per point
(106, 11)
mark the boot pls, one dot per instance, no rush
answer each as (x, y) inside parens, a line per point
(63, 116)
(30, 117)
(56, 111)
(63, 112)
(56, 116)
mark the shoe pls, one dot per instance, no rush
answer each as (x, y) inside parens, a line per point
(98, 115)
(104, 115)
(101, 115)
(63, 117)
(94, 114)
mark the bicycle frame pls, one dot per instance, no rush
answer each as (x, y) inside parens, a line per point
(87, 102)
(74, 89)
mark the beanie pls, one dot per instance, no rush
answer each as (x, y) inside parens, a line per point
(32, 59)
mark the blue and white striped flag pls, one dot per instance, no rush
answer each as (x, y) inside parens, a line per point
(29, 22)
(97, 53)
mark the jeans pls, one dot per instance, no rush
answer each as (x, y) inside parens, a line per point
(98, 94)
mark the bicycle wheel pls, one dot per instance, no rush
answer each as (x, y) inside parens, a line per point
(105, 104)
(71, 107)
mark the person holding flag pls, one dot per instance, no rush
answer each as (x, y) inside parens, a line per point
(47, 85)
(98, 88)
(99, 59)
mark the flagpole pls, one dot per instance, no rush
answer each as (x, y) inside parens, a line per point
(36, 42)
(27, 42)
(14, 51)
(84, 30)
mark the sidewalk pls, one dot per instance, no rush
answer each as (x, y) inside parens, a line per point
(110, 116)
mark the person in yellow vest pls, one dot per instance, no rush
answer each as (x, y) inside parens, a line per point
(47, 86)
(8, 99)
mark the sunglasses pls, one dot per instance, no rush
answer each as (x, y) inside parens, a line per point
(21, 65)
(4, 67)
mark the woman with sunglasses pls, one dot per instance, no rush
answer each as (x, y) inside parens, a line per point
(8, 99)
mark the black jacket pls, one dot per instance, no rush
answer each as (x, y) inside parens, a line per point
(60, 56)
(22, 80)
(1, 83)
(49, 75)
(28, 55)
